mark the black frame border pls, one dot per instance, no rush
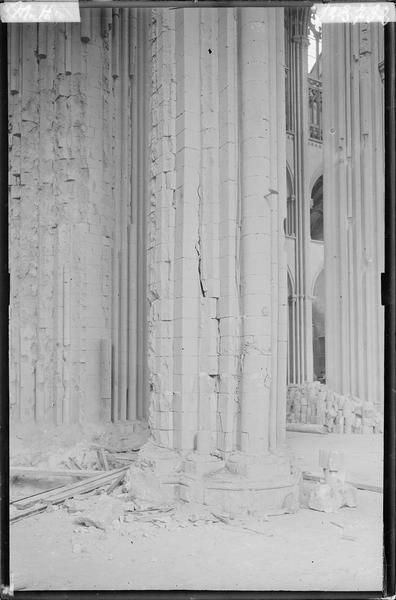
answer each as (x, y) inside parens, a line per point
(388, 300)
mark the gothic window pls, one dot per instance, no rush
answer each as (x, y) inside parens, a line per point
(290, 228)
(317, 210)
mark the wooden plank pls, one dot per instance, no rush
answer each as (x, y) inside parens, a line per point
(116, 482)
(69, 491)
(29, 512)
(35, 473)
(102, 459)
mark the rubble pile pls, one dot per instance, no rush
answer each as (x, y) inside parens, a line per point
(110, 446)
(332, 492)
(314, 403)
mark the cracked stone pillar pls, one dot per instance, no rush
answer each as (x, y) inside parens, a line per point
(260, 471)
(353, 208)
(263, 278)
(218, 338)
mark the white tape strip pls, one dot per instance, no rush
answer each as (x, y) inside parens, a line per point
(361, 12)
(40, 12)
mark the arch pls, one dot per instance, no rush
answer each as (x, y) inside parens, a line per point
(290, 279)
(290, 223)
(317, 174)
(316, 211)
(315, 278)
(289, 180)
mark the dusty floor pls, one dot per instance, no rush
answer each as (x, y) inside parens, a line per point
(187, 549)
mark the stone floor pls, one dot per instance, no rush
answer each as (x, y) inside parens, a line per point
(185, 549)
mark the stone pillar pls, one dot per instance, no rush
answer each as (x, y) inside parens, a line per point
(187, 288)
(263, 193)
(228, 304)
(216, 252)
(299, 19)
(353, 209)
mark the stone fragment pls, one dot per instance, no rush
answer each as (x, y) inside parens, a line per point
(349, 496)
(329, 498)
(325, 498)
(142, 485)
(101, 512)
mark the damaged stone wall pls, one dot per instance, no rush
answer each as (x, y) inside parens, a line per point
(70, 205)
(150, 134)
(216, 253)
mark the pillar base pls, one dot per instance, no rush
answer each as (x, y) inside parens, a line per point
(244, 483)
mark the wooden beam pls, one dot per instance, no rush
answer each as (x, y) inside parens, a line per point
(35, 473)
(69, 491)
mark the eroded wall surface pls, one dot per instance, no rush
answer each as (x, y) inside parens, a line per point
(66, 175)
(148, 198)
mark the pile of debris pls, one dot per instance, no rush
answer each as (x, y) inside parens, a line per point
(329, 492)
(314, 403)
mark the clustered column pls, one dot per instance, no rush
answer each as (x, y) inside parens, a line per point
(353, 208)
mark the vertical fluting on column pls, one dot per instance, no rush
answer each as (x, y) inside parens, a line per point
(113, 40)
(126, 42)
(15, 164)
(298, 21)
(229, 230)
(262, 168)
(29, 211)
(124, 204)
(353, 209)
(161, 226)
(132, 227)
(207, 246)
(74, 128)
(187, 287)
(144, 83)
(279, 183)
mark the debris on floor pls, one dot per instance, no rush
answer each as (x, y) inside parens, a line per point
(38, 502)
(313, 403)
(144, 487)
(333, 493)
(76, 447)
(129, 520)
(101, 512)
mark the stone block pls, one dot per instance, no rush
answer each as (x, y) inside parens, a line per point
(198, 465)
(329, 498)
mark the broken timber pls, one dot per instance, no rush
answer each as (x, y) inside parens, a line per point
(59, 495)
(34, 473)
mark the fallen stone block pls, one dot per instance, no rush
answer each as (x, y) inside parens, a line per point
(349, 494)
(325, 498)
(329, 498)
(143, 485)
(101, 512)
